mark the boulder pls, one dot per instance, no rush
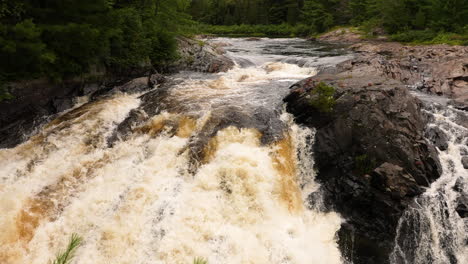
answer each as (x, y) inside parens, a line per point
(341, 35)
(201, 56)
(465, 162)
(437, 137)
(371, 155)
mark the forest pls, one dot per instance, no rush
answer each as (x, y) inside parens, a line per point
(316, 16)
(60, 39)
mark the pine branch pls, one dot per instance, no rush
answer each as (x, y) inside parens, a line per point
(66, 256)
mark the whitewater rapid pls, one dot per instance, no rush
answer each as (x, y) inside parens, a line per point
(139, 201)
(431, 230)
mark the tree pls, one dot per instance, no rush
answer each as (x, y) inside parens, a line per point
(61, 39)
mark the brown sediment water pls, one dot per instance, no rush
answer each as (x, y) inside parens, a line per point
(139, 202)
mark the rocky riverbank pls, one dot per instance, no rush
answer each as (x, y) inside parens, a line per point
(35, 101)
(435, 69)
(371, 150)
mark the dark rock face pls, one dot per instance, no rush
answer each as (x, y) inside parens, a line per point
(438, 138)
(35, 101)
(371, 156)
(465, 162)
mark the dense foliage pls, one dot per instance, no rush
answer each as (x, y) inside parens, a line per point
(65, 38)
(322, 97)
(395, 16)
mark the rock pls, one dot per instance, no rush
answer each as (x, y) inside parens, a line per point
(393, 178)
(253, 39)
(437, 137)
(342, 35)
(90, 88)
(462, 210)
(32, 102)
(465, 162)
(196, 55)
(370, 152)
(134, 86)
(62, 104)
(156, 79)
(437, 69)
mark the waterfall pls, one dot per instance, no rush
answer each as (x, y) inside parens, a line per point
(140, 201)
(431, 230)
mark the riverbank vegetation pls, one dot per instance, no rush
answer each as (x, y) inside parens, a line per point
(417, 21)
(62, 39)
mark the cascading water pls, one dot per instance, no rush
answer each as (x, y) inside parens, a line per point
(433, 230)
(140, 201)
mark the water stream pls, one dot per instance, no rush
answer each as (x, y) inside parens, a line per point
(431, 230)
(139, 202)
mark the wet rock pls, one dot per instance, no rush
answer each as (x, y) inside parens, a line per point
(152, 103)
(462, 210)
(197, 55)
(370, 152)
(437, 137)
(156, 79)
(253, 39)
(465, 162)
(62, 104)
(91, 88)
(33, 100)
(134, 86)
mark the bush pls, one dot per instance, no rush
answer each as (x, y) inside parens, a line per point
(322, 97)
(430, 37)
(4, 93)
(363, 164)
(414, 35)
(281, 30)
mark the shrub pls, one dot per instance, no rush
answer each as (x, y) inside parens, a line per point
(414, 35)
(322, 97)
(430, 37)
(281, 30)
(363, 164)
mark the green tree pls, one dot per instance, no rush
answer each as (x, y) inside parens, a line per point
(317, 13)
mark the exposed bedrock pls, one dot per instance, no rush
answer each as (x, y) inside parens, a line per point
(436, 69)
(371, 155)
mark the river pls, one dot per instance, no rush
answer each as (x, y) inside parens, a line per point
(221, 172)
(141, 201)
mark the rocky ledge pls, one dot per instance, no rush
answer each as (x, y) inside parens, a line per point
(371, 154)
(36, 101)
(436, 69)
